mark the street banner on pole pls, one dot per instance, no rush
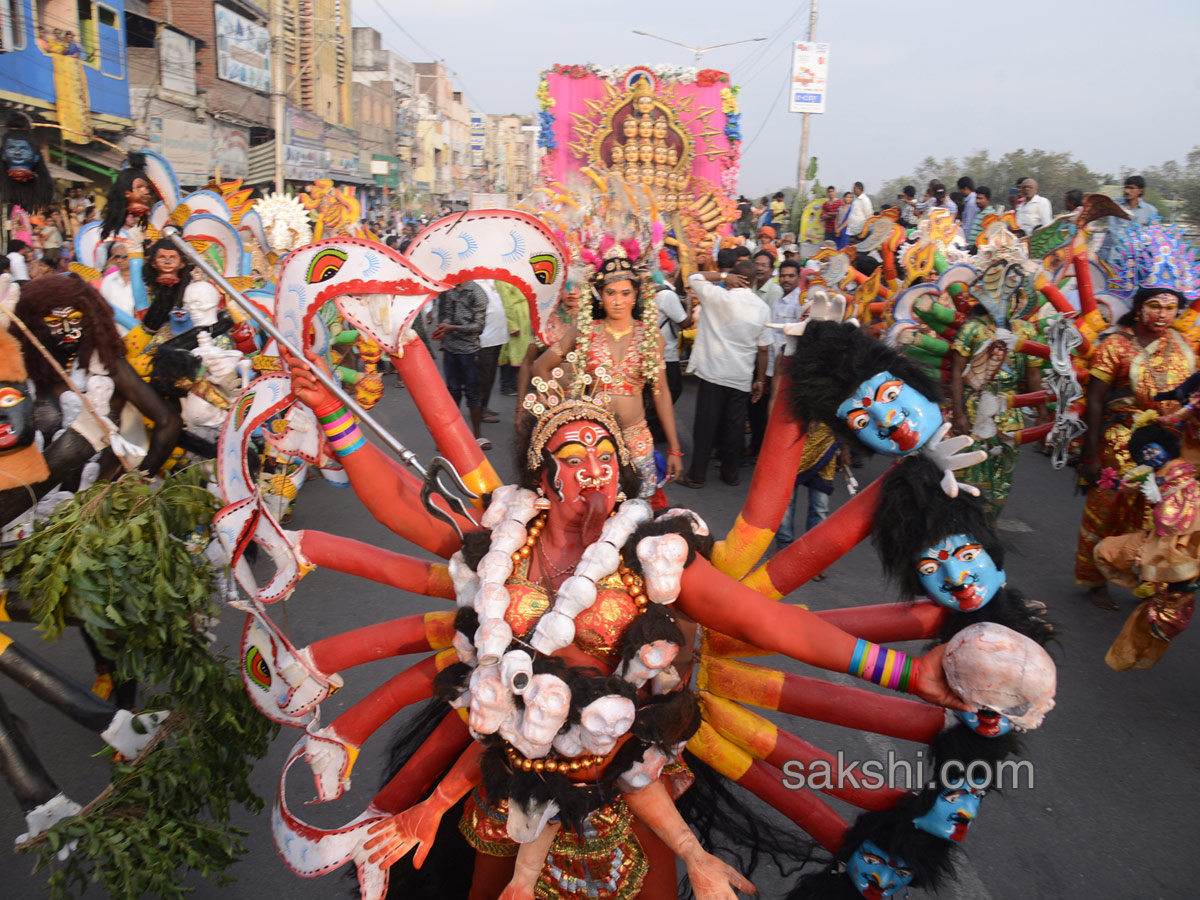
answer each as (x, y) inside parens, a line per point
(810, 66)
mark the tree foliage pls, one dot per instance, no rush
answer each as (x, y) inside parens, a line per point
(1055, 173)
(124, 558)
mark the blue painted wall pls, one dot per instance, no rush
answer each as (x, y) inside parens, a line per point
(28, 72)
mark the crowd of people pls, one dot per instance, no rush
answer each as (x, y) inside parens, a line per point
(765, 320)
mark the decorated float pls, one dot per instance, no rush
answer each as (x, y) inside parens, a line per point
(674, 130)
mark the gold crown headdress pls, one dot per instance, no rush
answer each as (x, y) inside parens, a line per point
(554, 406)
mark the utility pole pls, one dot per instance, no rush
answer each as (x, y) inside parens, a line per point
(278, 97)
(802, 165)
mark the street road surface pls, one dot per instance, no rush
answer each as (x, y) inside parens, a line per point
(1117, 763)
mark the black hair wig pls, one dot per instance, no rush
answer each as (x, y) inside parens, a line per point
(1153, 434)
(163, 297)
(915, 513)
(834, 358)
(929, 858)
(115, 208)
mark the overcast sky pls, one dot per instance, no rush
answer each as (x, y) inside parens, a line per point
(1115, 84)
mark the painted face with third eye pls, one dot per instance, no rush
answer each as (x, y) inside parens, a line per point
(878, 875)
(583, 461)
(959, 574)
(889, 416)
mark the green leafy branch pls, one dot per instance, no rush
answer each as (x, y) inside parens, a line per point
(124, 558)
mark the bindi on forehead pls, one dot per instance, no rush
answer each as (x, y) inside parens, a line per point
(587, 434)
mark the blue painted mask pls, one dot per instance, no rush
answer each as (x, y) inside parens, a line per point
(958, 573)
(986, 722)
(952, 813)
(875, 874)
(181, 321)
(19, 154)
(889, 416)
(1154, 456)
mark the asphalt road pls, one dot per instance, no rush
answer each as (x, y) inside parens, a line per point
(1111, 816)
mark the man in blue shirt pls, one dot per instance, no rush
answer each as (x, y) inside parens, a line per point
(1139, 211)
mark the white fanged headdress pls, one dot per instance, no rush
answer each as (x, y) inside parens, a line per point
(285, 221)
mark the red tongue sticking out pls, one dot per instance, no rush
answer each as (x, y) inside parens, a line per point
(594, 518)
(906, 437)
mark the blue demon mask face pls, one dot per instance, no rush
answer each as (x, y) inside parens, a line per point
(877, 875)
(986, 722)
(958, 573)
(889, 416)
(1154, 456)
(951, 814)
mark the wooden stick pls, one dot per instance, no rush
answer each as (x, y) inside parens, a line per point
(62, 373)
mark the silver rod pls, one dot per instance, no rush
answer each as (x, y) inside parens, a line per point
(331, 384)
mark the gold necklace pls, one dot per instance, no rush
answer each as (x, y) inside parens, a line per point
(617, 335)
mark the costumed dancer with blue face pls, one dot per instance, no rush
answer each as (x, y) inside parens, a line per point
(1162, 563)
(935, 540)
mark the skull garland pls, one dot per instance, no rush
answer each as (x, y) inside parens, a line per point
(540, 719)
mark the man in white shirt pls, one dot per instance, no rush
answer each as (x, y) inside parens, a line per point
(861, 209)
(671, 316)
(730, 359)
(1035, 211)
(19, 254)
(491, 339)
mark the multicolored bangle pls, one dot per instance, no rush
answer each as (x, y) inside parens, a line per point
(876, 664)
(341, 429)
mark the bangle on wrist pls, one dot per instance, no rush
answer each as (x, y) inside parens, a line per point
(889, 668)
(327, 409)
(678, 453)
(341, 431)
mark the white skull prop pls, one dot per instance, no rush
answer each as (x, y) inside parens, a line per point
(463, 647)
(516, 669)
(991, 666)
(554, 631)
(491, 701)
(649, 660)
(466, 582)
(491, 601)
(598, 560)
(570, 742)
(491, 641)
(604, 720)
(202, 301)
(495, 567)
(662, 558)
(644, 772)
(547, 702)
(509, 537)
(699, 526)
(526, 822)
